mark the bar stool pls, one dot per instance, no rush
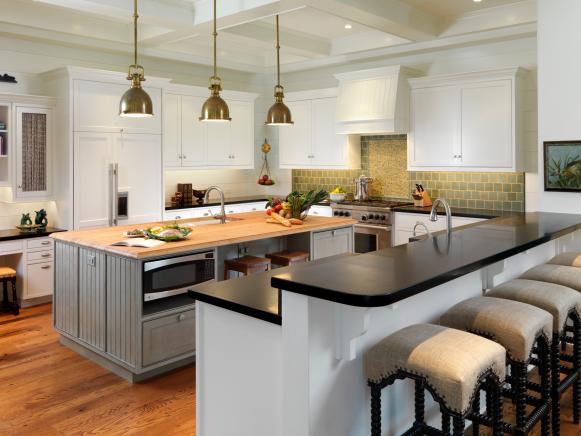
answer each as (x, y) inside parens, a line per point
(570, 258)
(443, 361)
(246, 265)
(564, 304)
(569, 276)
(521, 329)
(287, 258)
(8, 275)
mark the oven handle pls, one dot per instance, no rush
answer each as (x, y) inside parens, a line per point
(373, 227)
(148, 266)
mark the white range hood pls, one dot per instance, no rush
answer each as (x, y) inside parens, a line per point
(374, 101)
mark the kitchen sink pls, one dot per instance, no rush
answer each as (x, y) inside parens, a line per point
(213, 221)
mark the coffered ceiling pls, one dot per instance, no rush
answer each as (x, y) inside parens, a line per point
(312, 31)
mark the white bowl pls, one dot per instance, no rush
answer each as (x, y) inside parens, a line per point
(337, 197)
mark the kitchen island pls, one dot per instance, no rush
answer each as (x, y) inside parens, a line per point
(303, 373)
(100, 308)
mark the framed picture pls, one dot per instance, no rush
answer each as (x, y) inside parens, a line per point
(562, 161)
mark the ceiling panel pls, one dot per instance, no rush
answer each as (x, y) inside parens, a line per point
(453, 8)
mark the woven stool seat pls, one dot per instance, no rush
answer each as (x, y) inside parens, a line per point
(569, 276)
(516, 326)
(7, 272)
(571, 258)
(450, 360)
(286, 258)
(556, 299)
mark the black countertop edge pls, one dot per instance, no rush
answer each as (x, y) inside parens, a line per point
(459, 212)
(350, 295)
(233, 200)
(14, 234)
(236, 307)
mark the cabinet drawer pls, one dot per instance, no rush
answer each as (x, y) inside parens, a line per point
(168, 337)
(39, 243)
(39, 279)
(11, 247)
(36, 256)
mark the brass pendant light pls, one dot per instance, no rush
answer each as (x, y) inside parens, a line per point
(279, 114)
(135, 102)
(215, 108)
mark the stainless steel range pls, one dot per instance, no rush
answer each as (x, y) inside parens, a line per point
(373, 232)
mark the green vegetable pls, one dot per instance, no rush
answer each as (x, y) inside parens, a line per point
(301, 202)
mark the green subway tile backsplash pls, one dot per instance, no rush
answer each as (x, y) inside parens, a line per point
(384, 158)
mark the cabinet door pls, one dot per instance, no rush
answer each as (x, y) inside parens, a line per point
(242, 134)
(193, 132)
(169, 337)
(92, 184)
(434, 136)
(33, 154)
(329, 148)
(487, 131)
(172, 134)
(295, 141)
(332, 243)
(140, 176)
(96, 109)
(92, 293)
(39, 279)
(218, 143)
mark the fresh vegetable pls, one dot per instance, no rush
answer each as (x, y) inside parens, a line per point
(170, 232)
(338, 190)
(281, 220)
(300, 202)
(296, 222)
(134, 232)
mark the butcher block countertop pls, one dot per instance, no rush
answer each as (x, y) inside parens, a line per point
(244, 227)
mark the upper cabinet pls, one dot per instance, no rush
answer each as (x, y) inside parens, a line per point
(465, 122)
(311, 142)
(96, 109)
(190, 143)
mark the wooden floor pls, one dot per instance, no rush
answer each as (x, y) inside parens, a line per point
(46, 389)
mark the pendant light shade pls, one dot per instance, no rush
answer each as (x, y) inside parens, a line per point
(215, 108)
(279, 114)
(135, 102)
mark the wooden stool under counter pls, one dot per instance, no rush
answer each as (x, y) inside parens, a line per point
(287, 258)
(246, 265)
(8, 275)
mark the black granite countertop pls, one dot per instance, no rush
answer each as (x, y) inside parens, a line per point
(251, 295)
(232, 200)
(459, 211)
(12, 234)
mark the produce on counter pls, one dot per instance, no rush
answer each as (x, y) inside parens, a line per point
(134, 232)
(168, 233)
(295, 203)
(338, 190)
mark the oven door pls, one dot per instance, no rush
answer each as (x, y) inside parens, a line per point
(371, 237)
(178, 273)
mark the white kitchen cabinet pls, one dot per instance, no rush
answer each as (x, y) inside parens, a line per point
(404, 222)
(466, 122)
(190, 143)
(332, 242)
(311, 142)
(39, 280)
(96, 108)
(139, 175)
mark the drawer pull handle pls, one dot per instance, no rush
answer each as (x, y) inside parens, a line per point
(181, 317)
(45, 243)
(45, 254)
(45, 267)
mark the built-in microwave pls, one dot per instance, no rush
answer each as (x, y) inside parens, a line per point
(176, 275)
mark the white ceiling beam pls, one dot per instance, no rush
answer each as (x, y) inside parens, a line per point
(391, 16)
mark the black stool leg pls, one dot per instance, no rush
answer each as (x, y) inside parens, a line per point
(496, 408)
(419, 403)
(15, 305)
(519, 374)
(459, 424)
(445, 423)
(544, 356)
(577, 367)
(476, 409)
(5, 302)
(555, 382)
(375, 410)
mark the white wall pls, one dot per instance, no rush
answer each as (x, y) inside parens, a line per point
(559, 57)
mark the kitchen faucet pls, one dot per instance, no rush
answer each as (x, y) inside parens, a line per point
(222, 208)
(434, 213)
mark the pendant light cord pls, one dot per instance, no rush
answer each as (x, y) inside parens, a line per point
(277, 53)
(135, 17)
(215, 38)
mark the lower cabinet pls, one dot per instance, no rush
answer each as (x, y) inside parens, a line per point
(92, 302)
(168, 337)
(39, 268)
(332, 242)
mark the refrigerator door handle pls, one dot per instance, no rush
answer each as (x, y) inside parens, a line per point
(114, 189)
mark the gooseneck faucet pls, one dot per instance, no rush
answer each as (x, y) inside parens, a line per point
(434, 213)
(222, 208)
